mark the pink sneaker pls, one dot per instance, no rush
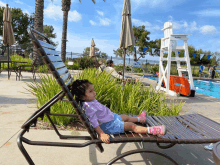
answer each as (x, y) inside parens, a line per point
(158, 130)
(142, 116)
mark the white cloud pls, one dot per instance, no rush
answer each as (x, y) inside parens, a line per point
(152, 4)
(159, 21)
(208, 13)
(100, 13)
(74, 16)
(76, 42)
(170, 18)
(156, 27)
(2, 4)
(180, 24)
(17, 1)
(183, 24)
(104, 21)
(193, 26)
(208, 29)
(138, 22)
(92, 22)
(26, 11)
(55, 12)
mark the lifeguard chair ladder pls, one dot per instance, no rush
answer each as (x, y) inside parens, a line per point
(169, 43)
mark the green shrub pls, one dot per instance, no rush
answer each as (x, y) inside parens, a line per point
(75, 65)
(20, 59)
(123, 99)
(137, 70)
(154, 68)
(43, 68)
(87, 62)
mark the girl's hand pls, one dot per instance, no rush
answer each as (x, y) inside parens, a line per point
(105, 138)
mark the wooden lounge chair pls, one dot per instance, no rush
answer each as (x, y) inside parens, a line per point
(184, 129)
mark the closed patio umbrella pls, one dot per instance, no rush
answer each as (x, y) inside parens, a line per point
(8, 34)
(92, 49)
(127, 35)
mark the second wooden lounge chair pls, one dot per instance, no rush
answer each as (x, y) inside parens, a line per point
(184, 129)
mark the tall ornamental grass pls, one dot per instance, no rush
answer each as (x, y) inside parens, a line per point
(123, 99)
(44, 90)
(129, 98)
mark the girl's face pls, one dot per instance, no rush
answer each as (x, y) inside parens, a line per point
(89, 94)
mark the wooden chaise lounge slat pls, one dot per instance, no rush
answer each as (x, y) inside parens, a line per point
(69, 81)
(183, 129)
(193, 126)
(211, 132)
(178, 132)
(177, 126)
(46, 45)
(50, 51)
(54, 58)
(206, 121)
(66, 76)
(58, 65)
(62, 71)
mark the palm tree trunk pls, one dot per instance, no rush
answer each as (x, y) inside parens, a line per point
(63, 45)
(135, 54)
(38, 25)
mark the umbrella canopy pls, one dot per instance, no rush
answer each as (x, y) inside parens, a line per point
(92, 49)
(8, 34)
(127, 35)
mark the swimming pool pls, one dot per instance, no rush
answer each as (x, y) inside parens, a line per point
(210, 88)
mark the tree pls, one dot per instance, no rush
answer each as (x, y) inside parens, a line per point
(48, 31)
(141, 40)
(20, 22)
(38, 25)
(65, 8)
(155, 45)
(98, 53)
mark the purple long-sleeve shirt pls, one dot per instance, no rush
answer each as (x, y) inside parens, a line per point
(98, 113)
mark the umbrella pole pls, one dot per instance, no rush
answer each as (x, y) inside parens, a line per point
(124, 66)
(8, 63)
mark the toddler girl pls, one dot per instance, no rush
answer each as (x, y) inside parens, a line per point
(103, 120)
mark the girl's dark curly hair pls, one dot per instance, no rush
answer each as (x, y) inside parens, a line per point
(78, 89)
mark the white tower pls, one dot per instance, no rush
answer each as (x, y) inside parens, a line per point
(169, 43)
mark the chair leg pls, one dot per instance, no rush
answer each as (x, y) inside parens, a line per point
(34, 76)
(140, 151)
(22, 149)
(167, 146)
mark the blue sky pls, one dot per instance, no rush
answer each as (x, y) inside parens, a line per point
(102, 21)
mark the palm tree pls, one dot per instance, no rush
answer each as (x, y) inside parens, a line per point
(38, 25)
(65, 8)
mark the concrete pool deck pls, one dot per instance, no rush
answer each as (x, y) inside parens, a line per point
(17, 104)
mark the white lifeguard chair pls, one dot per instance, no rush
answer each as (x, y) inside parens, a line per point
(169, 43)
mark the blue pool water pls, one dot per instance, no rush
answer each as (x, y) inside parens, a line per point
(210, 88)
